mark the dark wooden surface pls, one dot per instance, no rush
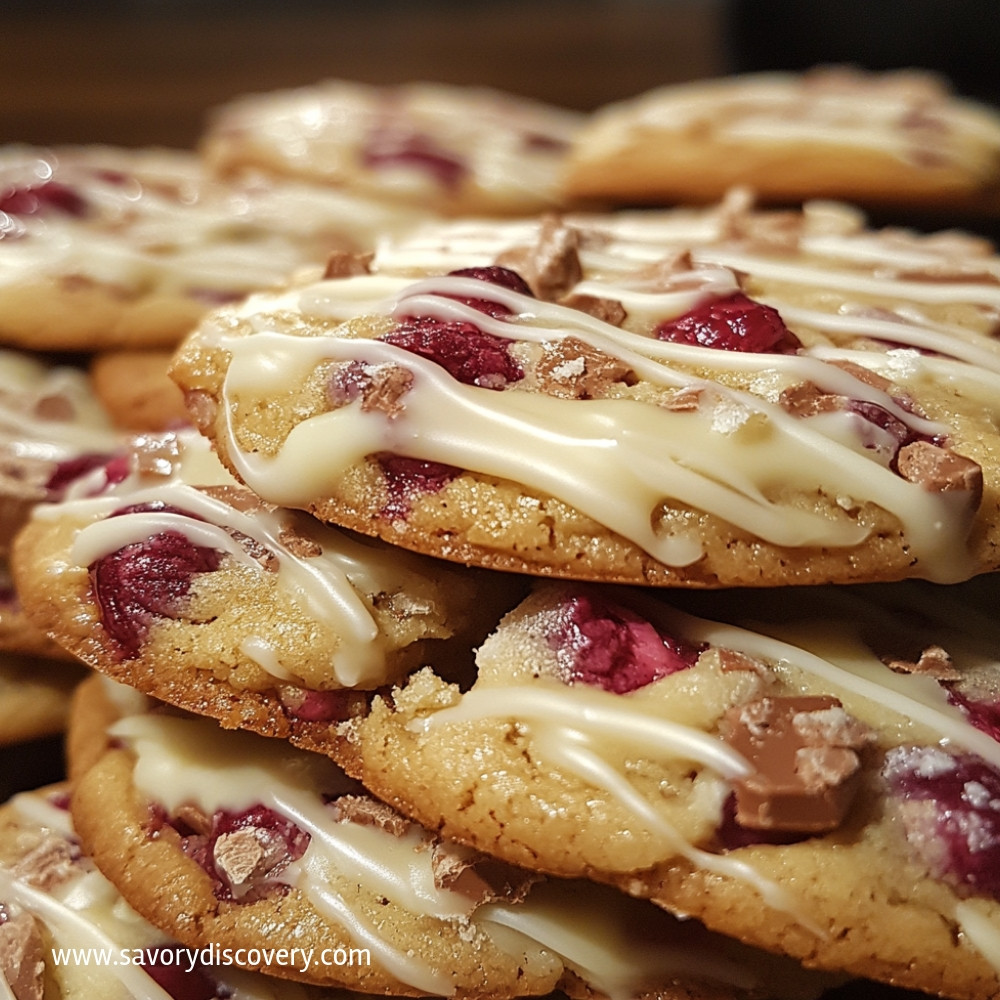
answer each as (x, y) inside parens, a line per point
(147, 71)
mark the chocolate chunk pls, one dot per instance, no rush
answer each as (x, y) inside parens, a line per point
(933, 661)
(477, 876)
(607, 310)
(342, 264)
(22, 961)
(552, 266)
(247, 855)
(940, 470)
(367, 811)
(572, 369)
(804, 751)
(49, 864)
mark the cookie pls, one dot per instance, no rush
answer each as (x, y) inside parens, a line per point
(135, 390)
(167, 801)
(108, 248)
(901, 139)
(182, 583)
(34, 696)
(66, 932)
(735, 398)
(812, 770)
(457, 150)
(51, 429)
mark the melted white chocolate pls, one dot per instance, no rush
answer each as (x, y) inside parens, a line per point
(727, 459)
(328, 585)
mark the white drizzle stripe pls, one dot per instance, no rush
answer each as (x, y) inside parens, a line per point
(952, 341)
(816, 277)
(569, 749)
(981, 932)
(594, 946)
(573, 707)
(321, 584)
(189, 761)
(61, 919)
(591, 454)
(400, 965)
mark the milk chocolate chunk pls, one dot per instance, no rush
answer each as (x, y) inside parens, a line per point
(804, 754)
(940, 469)
(22, 962)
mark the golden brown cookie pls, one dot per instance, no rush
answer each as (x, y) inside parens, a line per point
(34, 696)
(230, 839)
(457, 150)
(898, 139)
(182, 583)
(66, 933)
(106, 248)
(134, 388)
(731, 398)
(821, 777)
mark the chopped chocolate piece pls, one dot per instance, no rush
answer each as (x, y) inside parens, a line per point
(804, 751)
(572, 369)
(933, 661)
(478, 877)
(298, 544)
(193, 818)
(685, 400)
(366, 811)
(237, 497)
(552, 266)
(22, 961)
(733, 659)
(156, 454)
(940, 470)
(607, 310)
(863, 374)
(49, 864)
(388, 385)
(806, 400)
(342, 264)
(247, 854)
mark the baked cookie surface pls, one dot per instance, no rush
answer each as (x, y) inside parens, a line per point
(458, 150)
(814, 771)
(880, 139)
(34, 696)
(715, 399)
(180, 582)
(105, 247)
(334, 868)
(54, 899)
(52, 429)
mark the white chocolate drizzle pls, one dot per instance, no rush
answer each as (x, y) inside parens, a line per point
(594, 453)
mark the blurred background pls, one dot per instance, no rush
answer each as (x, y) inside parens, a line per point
(146, 71)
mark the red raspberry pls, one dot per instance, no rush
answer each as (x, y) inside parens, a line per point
(146, 580)
(950, 805)
(38, 197)
(394, 147)
(735, 323)
(177, 978)
(495, 275)
(408, 478)
(611, 647)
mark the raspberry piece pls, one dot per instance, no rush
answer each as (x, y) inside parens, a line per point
(611, 647)
(116, 470)
(146, 580)
(461, 349)
(950, 806)
(734, 323)
(393, 147)
(176, 977)
(37, 198)
(985, 716)
(324, 706)
(408, 478)
(495, 275)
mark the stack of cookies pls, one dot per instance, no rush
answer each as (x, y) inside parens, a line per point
(586, 600)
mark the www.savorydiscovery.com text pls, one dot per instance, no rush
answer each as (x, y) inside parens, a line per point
(301, 959)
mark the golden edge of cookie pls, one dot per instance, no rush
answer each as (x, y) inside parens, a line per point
(35, 696)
